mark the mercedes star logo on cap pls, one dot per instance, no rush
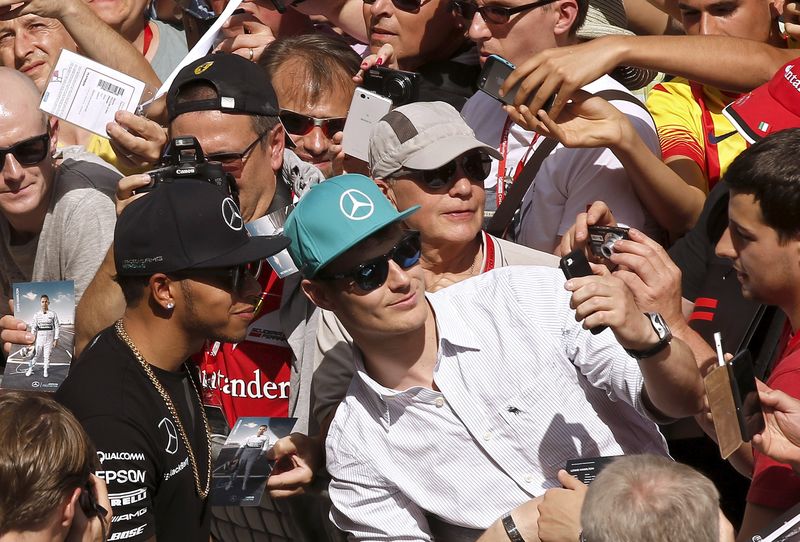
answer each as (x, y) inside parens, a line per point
(230, 213)
(356, 205)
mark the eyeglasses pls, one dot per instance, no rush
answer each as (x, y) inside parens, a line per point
(300, 125)
(492, 14)
(233, 162)
(27, 152)
(232, 278)
(476, 164)
(403, 5)
(373, 273)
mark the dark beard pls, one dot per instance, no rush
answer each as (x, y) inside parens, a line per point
(195, 323)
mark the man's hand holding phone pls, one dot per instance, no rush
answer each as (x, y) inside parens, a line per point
(780, 439)
(605, 300)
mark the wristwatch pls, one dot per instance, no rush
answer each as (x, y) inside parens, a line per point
(664, 337)
(511, 529)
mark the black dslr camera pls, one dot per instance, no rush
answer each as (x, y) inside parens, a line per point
(183, 158)
(399, 86)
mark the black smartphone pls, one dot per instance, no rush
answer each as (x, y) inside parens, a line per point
(494, 73)
(602, 239)
(576, 265)
(88, 502)
(745, 395)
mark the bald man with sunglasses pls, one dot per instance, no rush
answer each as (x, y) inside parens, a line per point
(56, 221)
(467, 401)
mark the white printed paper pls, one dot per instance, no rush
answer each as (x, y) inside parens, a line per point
(88, 94)
(202, 47)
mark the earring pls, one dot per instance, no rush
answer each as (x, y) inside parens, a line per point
(170, 306)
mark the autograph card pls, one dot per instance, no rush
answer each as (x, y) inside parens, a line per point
(86, 93)
(242, 468)
(49, 310)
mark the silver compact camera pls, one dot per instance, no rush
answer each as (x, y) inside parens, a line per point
(602, 239)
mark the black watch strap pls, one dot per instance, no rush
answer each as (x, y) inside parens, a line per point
(511, 529)
(664, 337)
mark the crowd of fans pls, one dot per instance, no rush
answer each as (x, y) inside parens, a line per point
(441, 368)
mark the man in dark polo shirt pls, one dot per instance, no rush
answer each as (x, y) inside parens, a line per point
(183, 260)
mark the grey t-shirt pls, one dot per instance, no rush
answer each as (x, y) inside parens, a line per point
(75, 236)
(171, 49)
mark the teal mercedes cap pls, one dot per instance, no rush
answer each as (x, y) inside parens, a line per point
(334, 216)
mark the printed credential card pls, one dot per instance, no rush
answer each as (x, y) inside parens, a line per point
(48, 308)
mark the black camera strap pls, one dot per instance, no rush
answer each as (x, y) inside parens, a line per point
(501, 221)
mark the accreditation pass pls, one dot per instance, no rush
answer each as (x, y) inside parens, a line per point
(86, 93)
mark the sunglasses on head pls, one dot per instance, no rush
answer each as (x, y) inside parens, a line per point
(403, 5)
(491, 14)
(232, 278)
(373, 273)
(475, 164)
(27, 152)
(300, 125)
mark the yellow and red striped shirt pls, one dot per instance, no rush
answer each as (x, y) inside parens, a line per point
(690, 123)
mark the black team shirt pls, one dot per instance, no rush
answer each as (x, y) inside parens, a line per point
(142, 455)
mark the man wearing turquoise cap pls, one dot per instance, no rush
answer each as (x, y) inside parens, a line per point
(444, 417)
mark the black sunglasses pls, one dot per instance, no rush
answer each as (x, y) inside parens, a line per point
(234, 162)
(300, 125)
(403, 5)
(492, 14)
(28, 152)
(233, 278)
(476, 164)
(373, 273)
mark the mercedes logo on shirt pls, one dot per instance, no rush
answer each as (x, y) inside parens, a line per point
(172, 435)
(230, 213)
(356, 205)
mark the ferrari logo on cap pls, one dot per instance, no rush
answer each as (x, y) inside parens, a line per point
(356, 205)
(203, 67)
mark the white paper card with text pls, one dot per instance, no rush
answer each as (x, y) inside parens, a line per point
(86, 93)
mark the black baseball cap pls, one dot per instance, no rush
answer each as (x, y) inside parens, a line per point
(242, 87)
(186, 224)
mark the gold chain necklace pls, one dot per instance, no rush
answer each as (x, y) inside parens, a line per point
(203, 493)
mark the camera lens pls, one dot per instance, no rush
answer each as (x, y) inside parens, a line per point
(398, 90)
(607, 248)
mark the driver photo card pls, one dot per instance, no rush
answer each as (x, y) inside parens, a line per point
(242, 468)
(48, 309)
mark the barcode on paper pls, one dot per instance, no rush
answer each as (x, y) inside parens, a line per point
(110, 87)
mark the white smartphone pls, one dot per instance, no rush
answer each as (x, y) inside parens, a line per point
(366, 109)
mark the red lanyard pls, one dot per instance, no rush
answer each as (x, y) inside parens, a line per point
(503, 178)
(488, 250)
(148, 37)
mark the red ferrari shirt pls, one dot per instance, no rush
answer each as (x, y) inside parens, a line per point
(251, 378)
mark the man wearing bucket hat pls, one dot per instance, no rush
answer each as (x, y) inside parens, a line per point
(188, 276)
(483, 424)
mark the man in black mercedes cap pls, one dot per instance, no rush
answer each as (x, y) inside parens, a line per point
(186, 267)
